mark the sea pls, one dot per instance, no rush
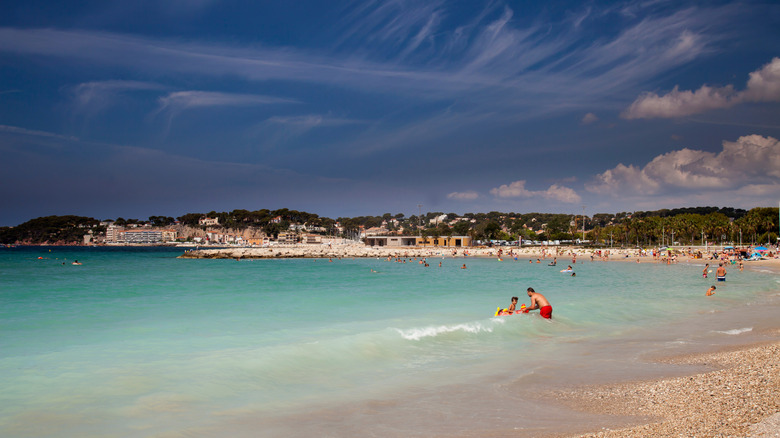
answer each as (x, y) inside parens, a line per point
(135, 342)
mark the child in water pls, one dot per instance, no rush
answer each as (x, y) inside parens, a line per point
(511, 308)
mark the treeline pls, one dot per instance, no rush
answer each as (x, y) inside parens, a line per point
(720, 226)
(688, 226)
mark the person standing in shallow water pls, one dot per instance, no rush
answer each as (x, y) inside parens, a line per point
(721, 272)
(538, 301)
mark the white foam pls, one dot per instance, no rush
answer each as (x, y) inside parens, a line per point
(736, 331)
(415, 334)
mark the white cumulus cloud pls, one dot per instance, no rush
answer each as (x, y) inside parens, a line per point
(763, 86)
(555, 192)
(752, 160)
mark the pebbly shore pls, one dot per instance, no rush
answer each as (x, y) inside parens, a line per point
(741, 398)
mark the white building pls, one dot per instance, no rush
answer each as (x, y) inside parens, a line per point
(209, 221)
(141, 236)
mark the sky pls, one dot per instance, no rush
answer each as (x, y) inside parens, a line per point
(359, 108)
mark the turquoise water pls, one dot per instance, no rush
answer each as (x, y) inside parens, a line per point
(138, 343)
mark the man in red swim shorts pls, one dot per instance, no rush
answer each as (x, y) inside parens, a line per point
(538, 301)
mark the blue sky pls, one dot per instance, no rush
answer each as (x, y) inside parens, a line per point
(132, 109)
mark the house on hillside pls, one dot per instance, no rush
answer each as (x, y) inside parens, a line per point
(209, 221)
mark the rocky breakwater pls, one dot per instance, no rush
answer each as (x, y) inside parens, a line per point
(315, 251)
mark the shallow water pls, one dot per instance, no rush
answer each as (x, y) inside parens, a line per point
(137, 343)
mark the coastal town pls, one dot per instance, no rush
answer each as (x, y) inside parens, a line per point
(699, 226)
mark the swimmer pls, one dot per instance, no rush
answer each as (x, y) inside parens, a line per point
(711, 291)
(706, 267)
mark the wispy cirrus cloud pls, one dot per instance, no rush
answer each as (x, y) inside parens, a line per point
(174, 104)
(35, 133)
(278, 129)
(310, 121)
(97, 95)
(182, 100)
(488, 56)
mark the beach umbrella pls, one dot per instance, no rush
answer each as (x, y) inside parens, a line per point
(760, 248)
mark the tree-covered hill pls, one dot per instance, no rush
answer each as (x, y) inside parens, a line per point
(50, 229)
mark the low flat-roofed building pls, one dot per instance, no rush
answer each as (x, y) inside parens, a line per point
(256, 241)
(443, 241)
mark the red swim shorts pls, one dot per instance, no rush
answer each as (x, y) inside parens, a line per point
(546, 312)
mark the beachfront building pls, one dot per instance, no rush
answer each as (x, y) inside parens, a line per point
(444, 241)
(257, 241)
(218, 238)
(169, 235)
(312, 239)
(112, 233)
(287, 238)
(441, 241)
(140, 236)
